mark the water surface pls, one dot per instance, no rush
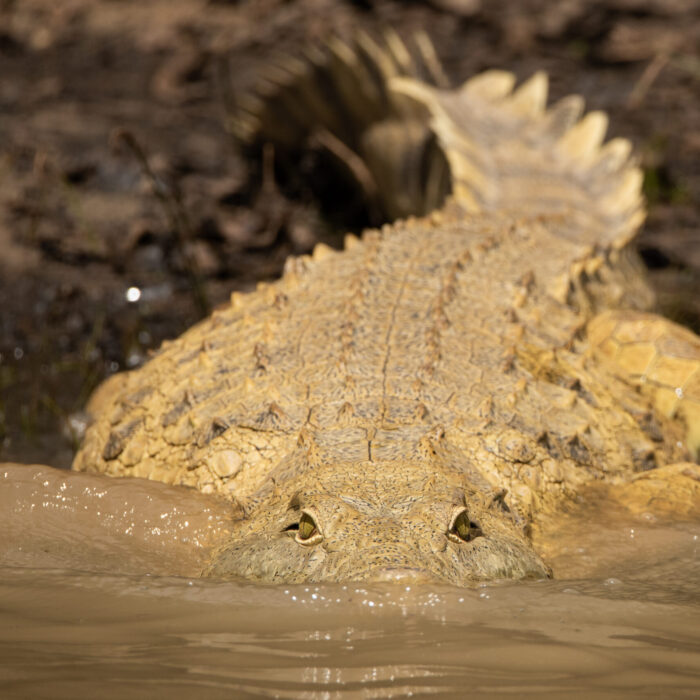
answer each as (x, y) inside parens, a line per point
(99, 597)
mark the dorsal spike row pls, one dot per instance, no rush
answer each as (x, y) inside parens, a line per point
(498, 144)
(336, 86)
(350, 241)
(431, 63)
(321, 251)
(530, 98)
(490, 85)
(627, 195)
(499, 141)
(562, 115)
(377, 58)
(400, 53)
(612, 157)
(582, 141)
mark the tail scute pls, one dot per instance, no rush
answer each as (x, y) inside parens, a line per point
(530, 99)
(505, 149)
(491, 85)
(582, 142)
(507, 152)
(339, 99)
(561, 116)
(612, 157)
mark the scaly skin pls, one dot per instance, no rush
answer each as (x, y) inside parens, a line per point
(407, 407)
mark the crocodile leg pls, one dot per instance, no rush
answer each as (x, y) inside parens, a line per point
(659, 356)
(671, 490)
(663, 359)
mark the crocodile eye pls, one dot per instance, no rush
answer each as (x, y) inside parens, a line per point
(306, 530)
(307, 527)
(462, 528)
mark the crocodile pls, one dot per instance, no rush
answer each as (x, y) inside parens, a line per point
(409, 407)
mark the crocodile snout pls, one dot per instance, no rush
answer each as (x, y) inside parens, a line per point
(400, 575)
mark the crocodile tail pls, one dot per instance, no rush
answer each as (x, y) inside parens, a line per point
(338, 98)
(385, 111)
(507, 151)
(340, 87)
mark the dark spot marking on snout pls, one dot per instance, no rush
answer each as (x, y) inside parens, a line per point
(498, 503)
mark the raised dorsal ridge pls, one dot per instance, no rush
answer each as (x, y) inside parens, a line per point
(321, 251)
(350, 241)
(490, 85)
(530, 98)
(498, 142)
(583, 140)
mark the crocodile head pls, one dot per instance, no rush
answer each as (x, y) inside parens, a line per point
(378, 521)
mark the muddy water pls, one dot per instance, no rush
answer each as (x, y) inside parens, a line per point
(99, 598)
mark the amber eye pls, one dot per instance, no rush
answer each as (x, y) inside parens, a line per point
(307, 527)
(306, 530)
(463, 528)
